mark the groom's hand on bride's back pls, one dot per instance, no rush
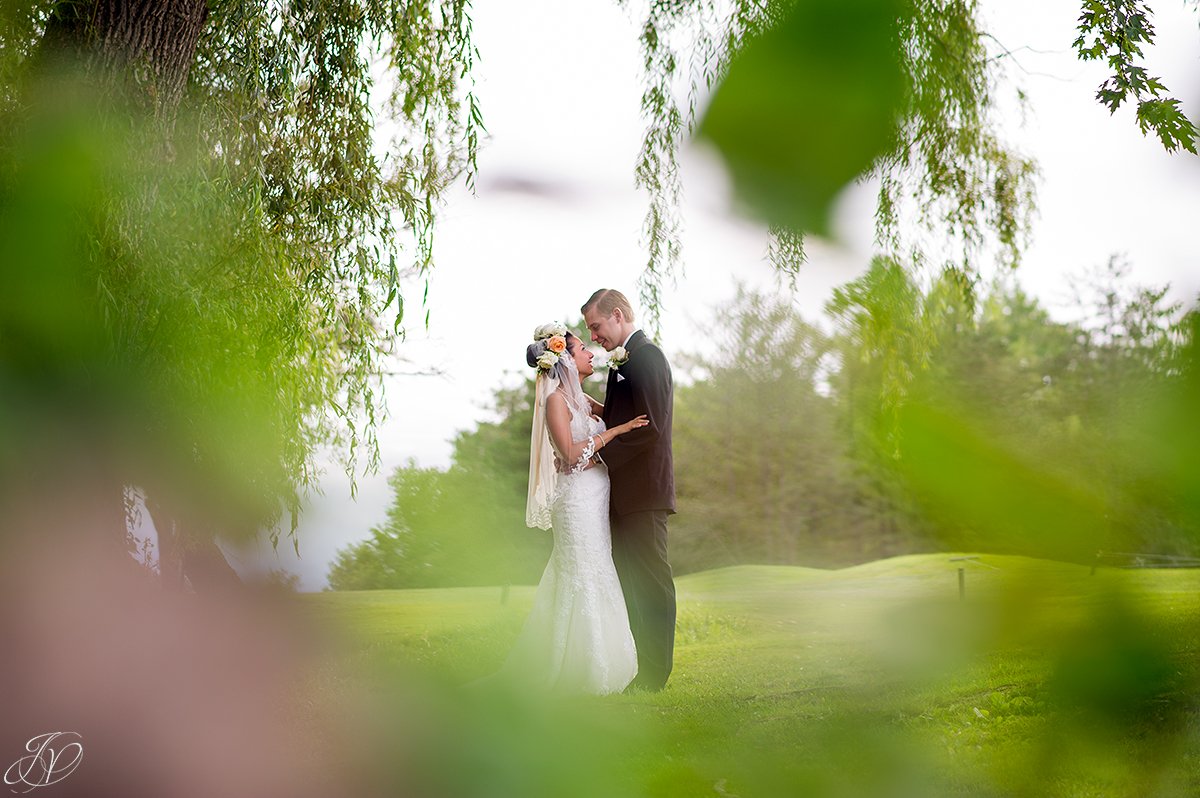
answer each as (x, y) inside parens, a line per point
(562, 467)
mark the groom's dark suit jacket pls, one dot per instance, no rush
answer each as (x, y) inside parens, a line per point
(640, 466)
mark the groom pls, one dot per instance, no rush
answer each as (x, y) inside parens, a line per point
(642, 474)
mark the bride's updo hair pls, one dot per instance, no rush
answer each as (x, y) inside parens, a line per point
(535, 349)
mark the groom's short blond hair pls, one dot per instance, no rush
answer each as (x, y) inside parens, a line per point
(606, 300)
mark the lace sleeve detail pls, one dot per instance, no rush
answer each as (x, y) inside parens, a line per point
(585, 455)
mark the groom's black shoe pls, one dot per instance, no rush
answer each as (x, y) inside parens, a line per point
(644, 687)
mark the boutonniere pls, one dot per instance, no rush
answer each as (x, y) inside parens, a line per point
(617, 358)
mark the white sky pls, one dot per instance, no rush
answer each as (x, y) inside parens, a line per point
(560, 86)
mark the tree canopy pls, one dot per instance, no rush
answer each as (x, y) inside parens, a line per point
(240, 234)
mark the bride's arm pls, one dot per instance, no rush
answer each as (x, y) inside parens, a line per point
(558, 422)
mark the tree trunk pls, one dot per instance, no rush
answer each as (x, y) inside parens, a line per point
(207, 569)
(145, 50)
(170, 546)
(145, 46)
(187, 555)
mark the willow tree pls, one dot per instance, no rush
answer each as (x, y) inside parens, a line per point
(236, 237)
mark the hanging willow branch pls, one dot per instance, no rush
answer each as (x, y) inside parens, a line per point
(950, 178)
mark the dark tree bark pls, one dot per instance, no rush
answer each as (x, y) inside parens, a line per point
(147, 46)
(207, 569)
(170, 553)
(188, 553)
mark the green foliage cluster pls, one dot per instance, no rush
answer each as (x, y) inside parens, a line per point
(826, 78)
(1017, 433)
(762, 473)
(284, 97)
(231, 266)
(143, 331)
(1116, 31)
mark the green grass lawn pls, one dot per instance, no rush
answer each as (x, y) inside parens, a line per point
(875, 680)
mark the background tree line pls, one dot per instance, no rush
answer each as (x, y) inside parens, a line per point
(807, 444)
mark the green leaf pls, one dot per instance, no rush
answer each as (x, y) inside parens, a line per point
(808, 105)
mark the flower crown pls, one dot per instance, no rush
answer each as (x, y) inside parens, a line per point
(552, 338)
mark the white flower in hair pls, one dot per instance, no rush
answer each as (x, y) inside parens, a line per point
(549, 330)
(547, 360)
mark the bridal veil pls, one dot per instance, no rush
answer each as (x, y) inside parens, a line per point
(543, 477)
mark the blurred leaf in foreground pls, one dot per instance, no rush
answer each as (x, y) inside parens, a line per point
(997, 498)
(808, 105)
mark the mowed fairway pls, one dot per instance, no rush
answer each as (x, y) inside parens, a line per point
(874, 680)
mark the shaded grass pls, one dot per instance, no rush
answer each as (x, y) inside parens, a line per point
(872, 680)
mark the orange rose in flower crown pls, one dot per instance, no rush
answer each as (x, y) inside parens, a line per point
(549, 345)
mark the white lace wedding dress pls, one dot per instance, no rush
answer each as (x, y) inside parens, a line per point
(577, 637)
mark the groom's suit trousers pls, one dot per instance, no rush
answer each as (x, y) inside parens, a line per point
(640, 555)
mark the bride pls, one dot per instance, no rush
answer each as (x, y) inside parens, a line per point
(577, 637)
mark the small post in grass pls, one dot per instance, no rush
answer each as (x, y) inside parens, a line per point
(962, 573)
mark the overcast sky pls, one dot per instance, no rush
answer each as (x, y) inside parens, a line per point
(556, 216)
